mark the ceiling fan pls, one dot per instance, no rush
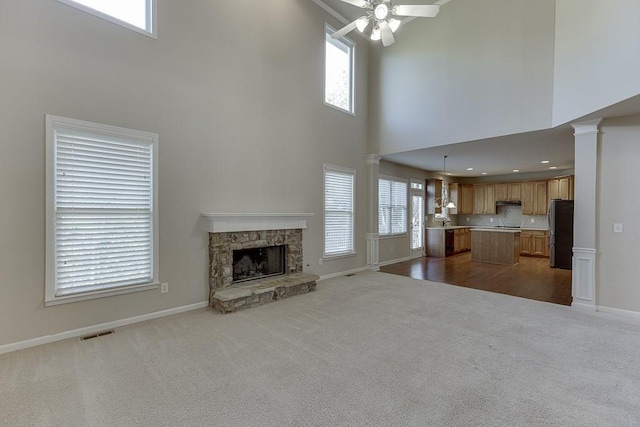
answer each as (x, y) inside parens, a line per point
(383, 14)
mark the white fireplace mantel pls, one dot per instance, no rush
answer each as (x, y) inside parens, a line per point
(234, 222)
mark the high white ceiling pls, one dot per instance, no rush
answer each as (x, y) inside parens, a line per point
(500, 155)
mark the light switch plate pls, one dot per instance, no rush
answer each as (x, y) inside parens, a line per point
(618, 228)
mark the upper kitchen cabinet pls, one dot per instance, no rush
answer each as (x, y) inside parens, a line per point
(561, 188)
(508, 191)
(462, 197)
(484, 199)
(534, 198)
(434, 196)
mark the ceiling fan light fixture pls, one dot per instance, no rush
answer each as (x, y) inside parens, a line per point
(362, 23)
(381, 11)
(394, 24)
(375, 34)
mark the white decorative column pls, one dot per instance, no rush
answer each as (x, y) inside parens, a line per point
(373, 238)
(585, 214)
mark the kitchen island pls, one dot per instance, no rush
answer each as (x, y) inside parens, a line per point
(495, 246)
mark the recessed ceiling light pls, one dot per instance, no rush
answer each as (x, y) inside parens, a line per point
(516, 170)
(484, 173)
(469, 169)
(553, 167)
(544, 162)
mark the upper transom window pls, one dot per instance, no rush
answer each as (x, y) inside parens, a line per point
(338, 74)
(137, 15)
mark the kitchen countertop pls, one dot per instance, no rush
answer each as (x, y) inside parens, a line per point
(497, 230)
(476, 227)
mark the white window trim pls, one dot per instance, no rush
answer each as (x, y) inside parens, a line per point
(53, 123)
(353, 252)
(152, 7)
(328, 29)
(405, 233)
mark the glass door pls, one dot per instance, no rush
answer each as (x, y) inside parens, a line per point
(417, 219)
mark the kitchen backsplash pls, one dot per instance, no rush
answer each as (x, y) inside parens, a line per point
(505, 215)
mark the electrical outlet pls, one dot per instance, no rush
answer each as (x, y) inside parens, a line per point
(533, 221)
(467, 219)
(320, 261)
(164, 288)
(490, 219)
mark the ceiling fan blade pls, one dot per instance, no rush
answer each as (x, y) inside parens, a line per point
(424, 10)
(386, 34)
(359, 3)
(344, 30)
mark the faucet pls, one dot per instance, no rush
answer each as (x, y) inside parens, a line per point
(445, 222)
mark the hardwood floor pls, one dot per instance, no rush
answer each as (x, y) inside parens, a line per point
(532, 278)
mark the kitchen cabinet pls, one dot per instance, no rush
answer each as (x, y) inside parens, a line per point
(534, 198)
(437, 241)
(467, 239)
(484, 199)
(514, 191)
(496, 246)
(434, 196)
(457, 241)
(502, 191)
(462, 197)
(462, 240)
(508, 191)
(561, 188)
(534, 243)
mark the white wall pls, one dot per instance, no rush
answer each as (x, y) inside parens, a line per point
(234, 89)
(618, 270)
(597, 56)
(480, 69)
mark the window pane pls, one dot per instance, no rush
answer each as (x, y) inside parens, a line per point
(134, 12)
(392, 207)
(338, 72)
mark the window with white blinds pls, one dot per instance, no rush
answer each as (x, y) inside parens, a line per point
(339, 186)
(101, 218)
(392, 206)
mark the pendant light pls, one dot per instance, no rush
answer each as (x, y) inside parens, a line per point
(446, 202)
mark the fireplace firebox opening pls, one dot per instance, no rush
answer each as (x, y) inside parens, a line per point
(258, 263)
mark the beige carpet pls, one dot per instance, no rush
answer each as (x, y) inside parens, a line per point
(373, 349)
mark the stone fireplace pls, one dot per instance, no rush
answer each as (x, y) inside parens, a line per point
(251, 263)
(223, 246)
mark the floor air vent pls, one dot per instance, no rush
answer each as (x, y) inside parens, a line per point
(99, 334)
(350, 275)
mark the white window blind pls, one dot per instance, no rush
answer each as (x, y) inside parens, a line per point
(392, 206)
(103, 208)
(338, 211)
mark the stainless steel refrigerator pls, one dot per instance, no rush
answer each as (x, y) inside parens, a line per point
(560, 233)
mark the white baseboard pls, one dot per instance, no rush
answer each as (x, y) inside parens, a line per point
(583, 306)
(7, 348)
(343, 273)
(395, 261)
(627, 314)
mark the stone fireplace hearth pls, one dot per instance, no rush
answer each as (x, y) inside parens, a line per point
(229, 233)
